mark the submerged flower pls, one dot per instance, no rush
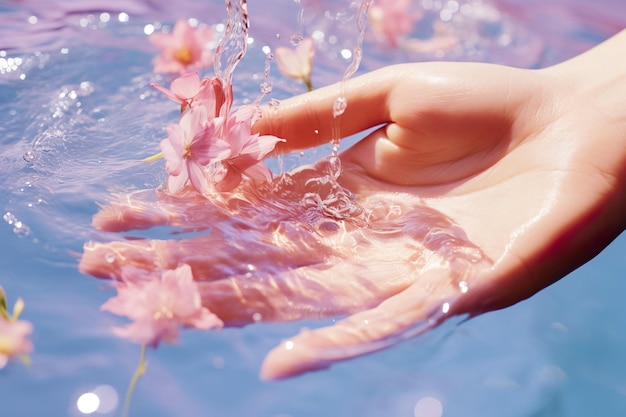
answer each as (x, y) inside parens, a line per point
(189, 90)
(247, 151)
(186, 48)
(158, 307)
(297, 63)
(191, 146)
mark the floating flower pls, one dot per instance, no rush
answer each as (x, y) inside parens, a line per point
(13, 332)
(184, 49)
(189, 90)
(393, 19)
(159, 306)
(297, 63)
(14, 339)
(247, 151)
(191, 145)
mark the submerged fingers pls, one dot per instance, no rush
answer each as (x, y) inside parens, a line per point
(317, 290)
(149, 208)
(401, 316)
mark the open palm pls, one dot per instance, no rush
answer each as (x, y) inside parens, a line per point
(482, 185)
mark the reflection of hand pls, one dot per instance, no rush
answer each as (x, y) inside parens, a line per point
(484, 185)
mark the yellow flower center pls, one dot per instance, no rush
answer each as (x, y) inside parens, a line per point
(6, 348)
(163, 313)
(183, 56)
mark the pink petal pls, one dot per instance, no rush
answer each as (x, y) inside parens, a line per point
(169, 94)
(296, 63)
(173, 160)
(259, 172)
(231, 179)
(206, 321)
(176, 183)
(266, 144)
(210, 150)
(237, 136)
(183, 32)
(197, 176)
(186, 86)
(193, 121)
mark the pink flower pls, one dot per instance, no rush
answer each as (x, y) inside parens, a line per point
(184, 49)
(14, 339)
(189, 90)
(191, 145)
(158, 307)
(393, 19)
(247, 151)
(297, 63)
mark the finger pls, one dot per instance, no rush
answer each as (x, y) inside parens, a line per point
(405, 315)
(322, 289)
(229, 248)
(307, 120)
(432, 101)
(149, 208)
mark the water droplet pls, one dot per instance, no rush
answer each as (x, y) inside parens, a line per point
(301, 154)
(296, 39)
(463, 286)
(257, 317)
(274, 104)
(29, 156)
(266, 87)
(317, 132)
(278, 36)
(109, 258)
(340, 106)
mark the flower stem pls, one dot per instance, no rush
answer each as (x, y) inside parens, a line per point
(153, 157)
(141, 369)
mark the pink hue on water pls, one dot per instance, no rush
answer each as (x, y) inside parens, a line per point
(74, 128)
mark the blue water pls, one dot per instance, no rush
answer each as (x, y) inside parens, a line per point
(77, 113)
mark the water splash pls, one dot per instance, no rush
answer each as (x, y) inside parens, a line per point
(331, 199)
(233, 46)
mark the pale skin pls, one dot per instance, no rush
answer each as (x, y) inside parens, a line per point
(529, 164)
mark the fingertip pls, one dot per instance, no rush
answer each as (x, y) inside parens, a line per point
(289, 359)
(121, 217)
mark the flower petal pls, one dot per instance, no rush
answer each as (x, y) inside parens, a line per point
(186, 86)
(197, 176)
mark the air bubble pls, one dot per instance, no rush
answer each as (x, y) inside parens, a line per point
(266, 87)
(340, 106)
(109, 258)
(257, 317)
(29, 156)
(274, 104)
(296, 40)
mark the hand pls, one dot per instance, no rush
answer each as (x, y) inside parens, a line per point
(482, 185)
